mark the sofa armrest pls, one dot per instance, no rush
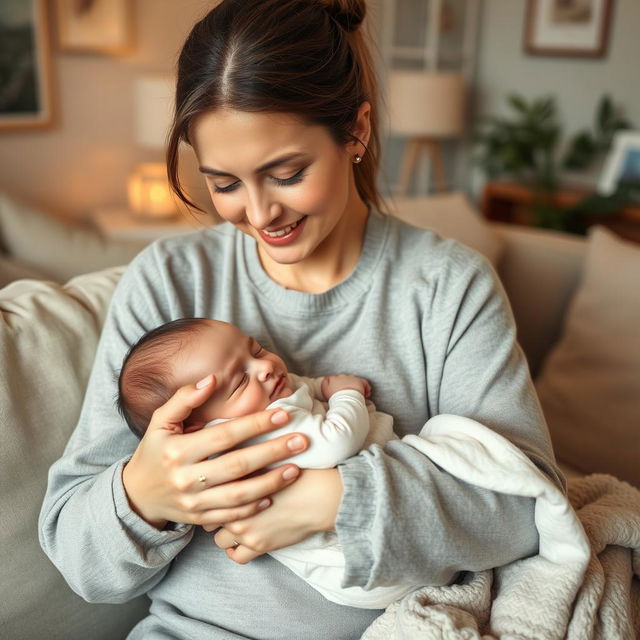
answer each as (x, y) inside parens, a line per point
(48, 337)
(540, 270)
(44, 244)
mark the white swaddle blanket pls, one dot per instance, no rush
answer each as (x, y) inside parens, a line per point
(477, 455)
(582, 585)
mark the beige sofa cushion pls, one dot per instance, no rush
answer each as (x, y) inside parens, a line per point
(48, 337)
(540, 270)
(46, 245)
(11, 270)
(589, 385)
(450, 215)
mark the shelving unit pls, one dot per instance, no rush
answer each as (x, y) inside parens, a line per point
(511, 202)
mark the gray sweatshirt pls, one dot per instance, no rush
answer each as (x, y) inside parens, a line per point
(424, 319)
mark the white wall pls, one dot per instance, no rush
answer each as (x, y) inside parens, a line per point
(83, 160)
(577, 83)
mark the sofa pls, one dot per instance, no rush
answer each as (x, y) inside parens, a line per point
(49, 333)
(36, 244)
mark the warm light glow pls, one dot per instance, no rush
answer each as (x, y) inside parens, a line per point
(149, 192)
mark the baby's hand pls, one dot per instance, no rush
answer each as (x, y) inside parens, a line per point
(331, 384)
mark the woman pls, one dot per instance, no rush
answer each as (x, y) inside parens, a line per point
(278, 100)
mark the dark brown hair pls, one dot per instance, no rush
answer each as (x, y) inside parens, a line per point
(308, 58)
(145, 381)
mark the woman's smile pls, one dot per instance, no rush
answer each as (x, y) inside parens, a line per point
(283, 235)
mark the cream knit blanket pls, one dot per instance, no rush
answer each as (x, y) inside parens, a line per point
(585, 581)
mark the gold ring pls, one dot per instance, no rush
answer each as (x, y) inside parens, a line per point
(202, 478)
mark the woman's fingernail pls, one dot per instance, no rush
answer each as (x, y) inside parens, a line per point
(279, 417)
(205, 382)
(289, 473)
(263, 504)
(296, 443)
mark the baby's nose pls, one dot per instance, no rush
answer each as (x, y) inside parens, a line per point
(265, 371)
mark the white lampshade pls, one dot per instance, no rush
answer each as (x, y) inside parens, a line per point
(148, 190)
(426, 105)
(154, 101)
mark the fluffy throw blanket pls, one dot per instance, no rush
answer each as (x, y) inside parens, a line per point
(584, 583)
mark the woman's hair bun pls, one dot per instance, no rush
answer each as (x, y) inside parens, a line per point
(349, 14)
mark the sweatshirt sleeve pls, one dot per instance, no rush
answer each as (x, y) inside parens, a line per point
(402, 518)
(85, 513)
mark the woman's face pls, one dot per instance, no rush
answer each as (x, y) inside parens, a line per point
(283, 182)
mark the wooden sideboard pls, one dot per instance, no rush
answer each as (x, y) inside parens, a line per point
(511, 202)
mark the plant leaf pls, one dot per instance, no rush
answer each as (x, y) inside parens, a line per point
(518, 103)
(605, 114)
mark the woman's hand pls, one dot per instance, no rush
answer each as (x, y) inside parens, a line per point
(169, 477)
(306, 507)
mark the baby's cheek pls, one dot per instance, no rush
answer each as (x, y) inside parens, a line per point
(252, 401)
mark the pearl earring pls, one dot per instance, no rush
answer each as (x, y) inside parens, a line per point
(357, 159)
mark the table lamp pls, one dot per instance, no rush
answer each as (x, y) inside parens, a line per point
(425, 107)
(148, 188)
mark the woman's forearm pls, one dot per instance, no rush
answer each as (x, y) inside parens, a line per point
(403, 519)
(104, 550)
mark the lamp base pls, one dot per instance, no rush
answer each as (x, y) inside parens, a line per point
(413, 149)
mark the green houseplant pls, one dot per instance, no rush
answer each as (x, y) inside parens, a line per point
(525, 147)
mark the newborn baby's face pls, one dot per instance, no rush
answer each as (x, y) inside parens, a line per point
(248, 377)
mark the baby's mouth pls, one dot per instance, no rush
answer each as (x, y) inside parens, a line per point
(278, 386)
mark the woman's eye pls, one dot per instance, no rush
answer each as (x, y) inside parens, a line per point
(282, 182)
(294, 179)
(227, 189)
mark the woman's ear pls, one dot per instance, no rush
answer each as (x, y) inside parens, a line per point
(362, 130)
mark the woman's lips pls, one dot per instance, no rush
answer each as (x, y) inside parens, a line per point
(286, 235)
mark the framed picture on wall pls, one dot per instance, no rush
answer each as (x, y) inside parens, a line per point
(95, 26)
(622, 165)
(577, 28)
(25, 65)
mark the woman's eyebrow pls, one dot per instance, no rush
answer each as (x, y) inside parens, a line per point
(264, 167)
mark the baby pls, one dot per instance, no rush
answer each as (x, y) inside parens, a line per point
(331, 411)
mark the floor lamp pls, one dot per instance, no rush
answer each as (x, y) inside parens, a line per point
(425, 108)
(148, 189)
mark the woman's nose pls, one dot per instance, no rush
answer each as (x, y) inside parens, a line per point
(261, 212)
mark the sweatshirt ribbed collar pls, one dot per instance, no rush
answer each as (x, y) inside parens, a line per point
(298, 303)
